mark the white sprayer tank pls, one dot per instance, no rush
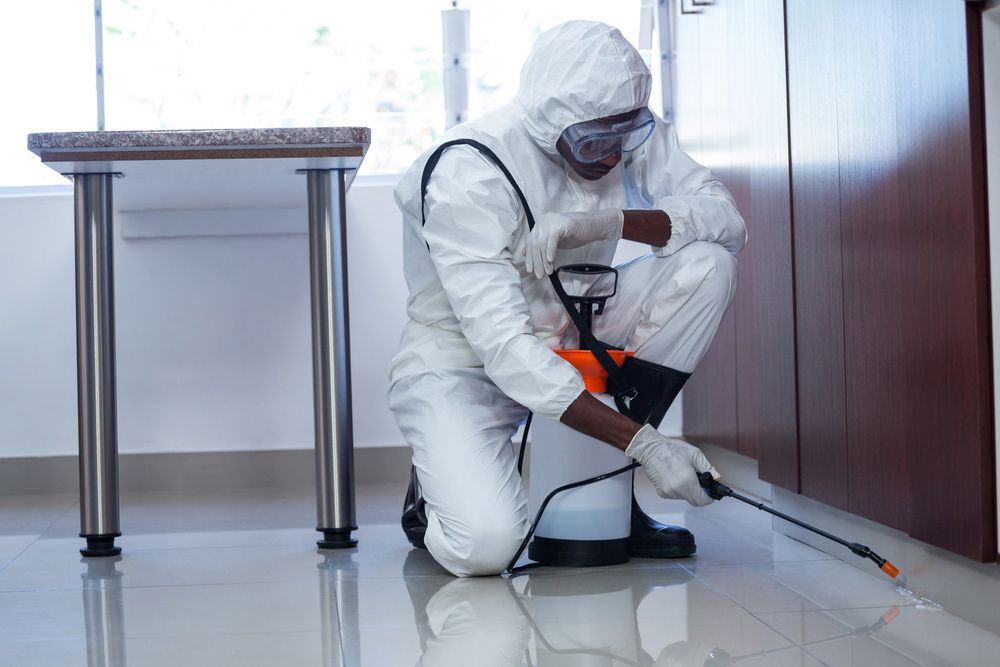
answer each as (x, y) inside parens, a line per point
(588, 525)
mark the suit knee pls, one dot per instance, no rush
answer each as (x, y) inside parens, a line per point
(716, 269)
(492, 551)
(484, 547)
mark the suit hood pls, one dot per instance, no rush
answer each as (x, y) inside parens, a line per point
(579, 71)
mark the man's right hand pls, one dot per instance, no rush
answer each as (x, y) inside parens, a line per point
(568, 230)
(671, 465)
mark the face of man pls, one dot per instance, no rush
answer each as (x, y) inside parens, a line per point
(593, 171)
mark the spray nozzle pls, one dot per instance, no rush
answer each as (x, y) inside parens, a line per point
(717, 491)
(884, 565)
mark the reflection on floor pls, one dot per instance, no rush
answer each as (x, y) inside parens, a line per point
(234, 579)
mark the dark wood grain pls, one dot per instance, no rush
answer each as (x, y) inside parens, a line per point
(819, 304)
(765, 322)
(984, 459)
(891, 269)
(731, 57)
(891, 340)
(710, 395)
(944, 353)
(874, 261)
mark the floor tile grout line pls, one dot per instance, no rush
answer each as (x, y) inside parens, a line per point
(860, 608)
(761, 621)
(796, 644)
(694, 573)
(10, 561)
(834, 638)
(340, 626)
(792, 642)
(58, 516)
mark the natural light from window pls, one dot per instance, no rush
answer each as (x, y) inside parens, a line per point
(184, 64)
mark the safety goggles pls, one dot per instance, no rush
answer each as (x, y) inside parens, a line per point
(595, 140)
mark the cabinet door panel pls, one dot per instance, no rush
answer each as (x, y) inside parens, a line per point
(710, 394)
(743, 394)
(874, 236)
(890, 268)
(812, 104)
(764, 307)
(946, 356)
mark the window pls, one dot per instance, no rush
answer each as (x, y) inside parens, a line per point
(227, 63)
(502, 34)
(47, 81)
(224, 63)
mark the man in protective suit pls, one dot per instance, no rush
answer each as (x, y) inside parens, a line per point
(595, 166)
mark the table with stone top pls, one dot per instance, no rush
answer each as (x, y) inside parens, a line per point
(167, 171)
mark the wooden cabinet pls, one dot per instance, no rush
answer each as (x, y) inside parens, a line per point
(731, 59)
(710, 393)
(860, 333)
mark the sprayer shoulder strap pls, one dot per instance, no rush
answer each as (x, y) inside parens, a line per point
(622, 387)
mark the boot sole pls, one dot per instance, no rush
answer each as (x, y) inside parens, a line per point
(660, 551)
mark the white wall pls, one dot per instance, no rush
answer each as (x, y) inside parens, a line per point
(213, 331)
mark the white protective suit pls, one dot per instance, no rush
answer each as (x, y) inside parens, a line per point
(476, 355)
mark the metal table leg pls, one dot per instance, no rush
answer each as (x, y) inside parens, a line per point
(331, 358)
(95, 364)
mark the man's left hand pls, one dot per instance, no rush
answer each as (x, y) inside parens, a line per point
(569, 230)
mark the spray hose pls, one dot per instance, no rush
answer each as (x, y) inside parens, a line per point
(715, 490)
(718, 491)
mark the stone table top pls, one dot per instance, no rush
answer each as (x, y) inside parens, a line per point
(216, 168)
(248, 137)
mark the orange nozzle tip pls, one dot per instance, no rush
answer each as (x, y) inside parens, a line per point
(890, 616)
(890, 569)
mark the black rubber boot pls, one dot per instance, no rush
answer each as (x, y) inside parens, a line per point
(652, 539)
(657, 387)
(414, 519)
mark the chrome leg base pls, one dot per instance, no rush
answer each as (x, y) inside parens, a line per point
(101, 546)
(337, 538)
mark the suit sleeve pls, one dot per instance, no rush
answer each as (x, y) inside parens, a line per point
(699, 205)
(472, 218)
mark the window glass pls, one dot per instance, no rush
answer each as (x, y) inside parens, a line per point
(225, 63)
(502, 34)
(228, 63)
(48, 81)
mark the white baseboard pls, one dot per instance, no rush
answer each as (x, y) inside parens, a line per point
(965, 588)
(201, 471)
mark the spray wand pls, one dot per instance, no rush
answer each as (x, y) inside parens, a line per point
(718, 491)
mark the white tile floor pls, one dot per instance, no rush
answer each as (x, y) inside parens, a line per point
(233, 578)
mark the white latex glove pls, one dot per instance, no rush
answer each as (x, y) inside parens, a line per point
(569, 230)
(671, 465)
